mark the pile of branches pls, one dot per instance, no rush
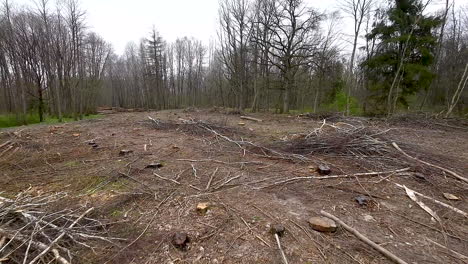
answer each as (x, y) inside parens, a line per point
(30, 232)
(226, 134)
(193, 127)
(423, 120)
(344, 140)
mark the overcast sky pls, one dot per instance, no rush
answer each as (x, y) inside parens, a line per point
(121, 21)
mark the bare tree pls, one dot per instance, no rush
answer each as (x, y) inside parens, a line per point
(295, 39)
(359, 11)
(234, 36)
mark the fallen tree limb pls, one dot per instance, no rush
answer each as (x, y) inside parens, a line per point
(335, 176)
(461, 256)
(426, 208)
(366, 240)
(436, 201)
(285, 260)
(4, 144)
(431, 165)
(251, 118)
(223, 162)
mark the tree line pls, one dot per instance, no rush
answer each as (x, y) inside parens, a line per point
(268, 55)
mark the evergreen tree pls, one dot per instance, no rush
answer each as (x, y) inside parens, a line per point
(400, 65)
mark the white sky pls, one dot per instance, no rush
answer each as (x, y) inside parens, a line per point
(121, 21)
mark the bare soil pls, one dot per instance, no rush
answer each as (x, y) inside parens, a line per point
(243, 186)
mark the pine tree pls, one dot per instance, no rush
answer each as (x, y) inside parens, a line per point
(400, 66)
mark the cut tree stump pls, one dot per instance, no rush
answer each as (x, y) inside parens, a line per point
(324, 170)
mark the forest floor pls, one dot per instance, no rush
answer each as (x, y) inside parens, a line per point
(252, 175)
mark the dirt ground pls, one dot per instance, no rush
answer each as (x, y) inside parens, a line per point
(249, 186)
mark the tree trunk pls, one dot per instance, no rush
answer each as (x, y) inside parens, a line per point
(41, 101)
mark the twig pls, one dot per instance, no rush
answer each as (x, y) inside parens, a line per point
(166, 179)
(156, 121)
(228, 181)
(6, 150)
(450, 250)
(366, 240)
(317, 130)
(211, 179)
(428, 226)
(144, 230)
(316, 243)
(59, 237)
(432, 165)
(285, 260)
(253, 232)
(135, 180)
(4, 144)
(194, 171)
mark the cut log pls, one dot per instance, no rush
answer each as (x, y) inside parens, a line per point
(251, 118)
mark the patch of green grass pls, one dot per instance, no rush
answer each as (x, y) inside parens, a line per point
(9, 120)
(73, 163)
(117, 213)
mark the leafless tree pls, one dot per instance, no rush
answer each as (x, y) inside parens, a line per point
(234, 35)
(358, 10)
(294, 43)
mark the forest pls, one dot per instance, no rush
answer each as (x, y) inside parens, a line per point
(268, 55)
(296, 135)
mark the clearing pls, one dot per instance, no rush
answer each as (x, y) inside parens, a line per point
(252, 175)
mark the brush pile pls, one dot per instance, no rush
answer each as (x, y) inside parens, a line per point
(341, 139)
(31, 232)
(193, 127)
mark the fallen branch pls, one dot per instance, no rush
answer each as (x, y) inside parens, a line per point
(30, 231)
(251, 118)
(4, 144)
(208, 185)
(38, 245)
(426, 208)
(157, 122)
(52, 244)
(6, 150)
(336, 176)
(223, 162)
(166, 179)
(431, 165)
(285, 260)
(461, 256)
(228, 181)
(436, 201)
(366, 240)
